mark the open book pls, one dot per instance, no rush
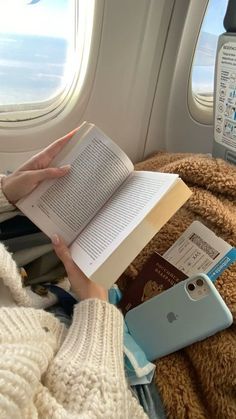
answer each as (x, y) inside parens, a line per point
(105, 211)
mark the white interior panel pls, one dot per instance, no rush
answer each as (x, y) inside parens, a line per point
(171, 126)
(133, 41)
(127, 49)
(136, 88)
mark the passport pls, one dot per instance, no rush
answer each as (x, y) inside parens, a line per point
(156, 276)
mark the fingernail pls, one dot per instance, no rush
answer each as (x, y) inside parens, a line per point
(66, 168)
(55, 239)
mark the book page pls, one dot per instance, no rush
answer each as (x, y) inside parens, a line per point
(121, 214)
(65, 206)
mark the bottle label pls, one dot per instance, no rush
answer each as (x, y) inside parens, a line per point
(225, 108)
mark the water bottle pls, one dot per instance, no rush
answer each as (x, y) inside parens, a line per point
(224, 144)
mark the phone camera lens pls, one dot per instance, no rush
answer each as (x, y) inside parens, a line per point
(191, 287)
(199, 282)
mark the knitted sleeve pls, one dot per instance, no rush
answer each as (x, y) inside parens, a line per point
(85, 380)
(87, 375)
(25, 352)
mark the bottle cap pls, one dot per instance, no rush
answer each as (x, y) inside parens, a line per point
(230, 17)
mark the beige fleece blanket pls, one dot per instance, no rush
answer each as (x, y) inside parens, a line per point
(199, 381)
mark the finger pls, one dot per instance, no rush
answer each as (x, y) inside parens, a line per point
(48, 173)
(44, 157)
(53, 149)
(82, 286)
(64, 255)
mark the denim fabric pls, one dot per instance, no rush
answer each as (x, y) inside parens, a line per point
(150, 400)
(58, 311)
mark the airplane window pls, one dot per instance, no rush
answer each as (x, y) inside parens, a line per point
(204, 59)
(38, 59)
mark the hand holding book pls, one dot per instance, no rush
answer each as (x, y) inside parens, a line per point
(24, 180)
(21, 182)
(103, 209)
(83, 287)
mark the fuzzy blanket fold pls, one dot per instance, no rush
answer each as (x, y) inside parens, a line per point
(199, 381)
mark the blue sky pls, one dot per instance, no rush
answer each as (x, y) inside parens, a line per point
(213, 22)
(46, 17)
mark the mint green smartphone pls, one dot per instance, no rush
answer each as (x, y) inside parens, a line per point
(186, 313)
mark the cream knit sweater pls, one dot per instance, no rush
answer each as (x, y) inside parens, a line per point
(47, 371)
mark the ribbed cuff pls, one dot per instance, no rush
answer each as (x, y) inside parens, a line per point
(96, 336)
(4, 203)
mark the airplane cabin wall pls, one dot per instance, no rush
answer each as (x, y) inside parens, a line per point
(133, 40)
(138, 86)
(173, 125)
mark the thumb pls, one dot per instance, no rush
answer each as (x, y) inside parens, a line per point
(49, 173)
(82, 286)
(64, 255)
